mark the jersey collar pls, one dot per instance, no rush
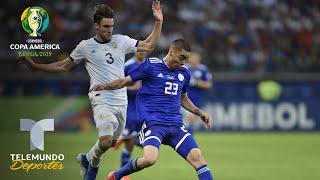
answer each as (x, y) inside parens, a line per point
(102, 42)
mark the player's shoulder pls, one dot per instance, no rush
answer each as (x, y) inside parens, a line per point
(119, 37)
(130, 62)
(154, 60)
(86, 42)
(184, 70)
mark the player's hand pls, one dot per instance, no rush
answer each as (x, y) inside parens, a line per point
(206, 119)
(98, 87)
(157, 10)
(28, 62)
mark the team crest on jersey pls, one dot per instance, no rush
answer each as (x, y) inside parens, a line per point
(147, 133)
(114, 46)
(180, 77)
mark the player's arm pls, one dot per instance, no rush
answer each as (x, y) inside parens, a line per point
(56, 67)
(189, 106)
(139, 73)
(151, 41)
(116, 84)
(136, 86)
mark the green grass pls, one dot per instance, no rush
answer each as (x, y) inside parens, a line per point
(231, 156)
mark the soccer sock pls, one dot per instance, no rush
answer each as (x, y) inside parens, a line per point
(204, 173)
(94, 155)
(125, 157)
(129, 168)
(92, 173)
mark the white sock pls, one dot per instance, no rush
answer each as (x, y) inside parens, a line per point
(95, 155)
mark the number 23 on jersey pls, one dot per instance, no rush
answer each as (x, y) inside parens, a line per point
(171, 88)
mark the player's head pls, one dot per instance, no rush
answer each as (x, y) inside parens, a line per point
(194, 59)
(179, 52)
(103, 21)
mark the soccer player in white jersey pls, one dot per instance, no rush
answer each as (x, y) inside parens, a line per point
(104, 57)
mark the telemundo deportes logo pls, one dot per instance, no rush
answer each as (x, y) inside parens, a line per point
(37, 130)
(35, 20)
(30, 161)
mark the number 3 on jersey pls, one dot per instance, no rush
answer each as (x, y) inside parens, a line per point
(110, 59)
(171, 88)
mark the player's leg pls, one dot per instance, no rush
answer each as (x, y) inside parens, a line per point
(150, 138)
(126, 151)
(149, 158)
(184, 144)
(95, 155)
(128, 137)
(196, 159)
(106, 123)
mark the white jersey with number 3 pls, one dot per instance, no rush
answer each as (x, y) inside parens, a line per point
(104, 62)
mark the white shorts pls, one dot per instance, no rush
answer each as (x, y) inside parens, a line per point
(110, 120)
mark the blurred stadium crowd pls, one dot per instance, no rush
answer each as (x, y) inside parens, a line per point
(231, 35)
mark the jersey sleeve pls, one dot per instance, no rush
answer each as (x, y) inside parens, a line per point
(143, 71)
(186, 82)
(127, 69)
(130, 45)
(77, 54)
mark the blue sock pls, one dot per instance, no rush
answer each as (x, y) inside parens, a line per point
(125, 157)
(92, 173)
(129, 168)
(204, 173)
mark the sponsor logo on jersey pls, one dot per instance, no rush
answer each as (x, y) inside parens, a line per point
(160, 75)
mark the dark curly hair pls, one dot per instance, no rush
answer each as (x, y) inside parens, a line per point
(102, 11)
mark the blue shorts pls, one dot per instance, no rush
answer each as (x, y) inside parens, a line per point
(176, 136)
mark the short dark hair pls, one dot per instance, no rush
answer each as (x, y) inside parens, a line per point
(102, 11)
(180, 44)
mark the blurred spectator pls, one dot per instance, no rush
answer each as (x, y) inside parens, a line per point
(243, 35)
(231, 36)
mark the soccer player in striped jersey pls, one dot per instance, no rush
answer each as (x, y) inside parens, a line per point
(163, 91)
(104, 57)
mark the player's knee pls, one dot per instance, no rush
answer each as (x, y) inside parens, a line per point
(105, 143)
(195, 157)
(149, 160)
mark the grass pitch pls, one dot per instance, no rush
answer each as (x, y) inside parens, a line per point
(231, 156)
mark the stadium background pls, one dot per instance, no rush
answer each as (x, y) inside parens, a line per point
(242, 42)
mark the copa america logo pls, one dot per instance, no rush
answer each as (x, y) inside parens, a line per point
(34, 20)
(37, 130)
